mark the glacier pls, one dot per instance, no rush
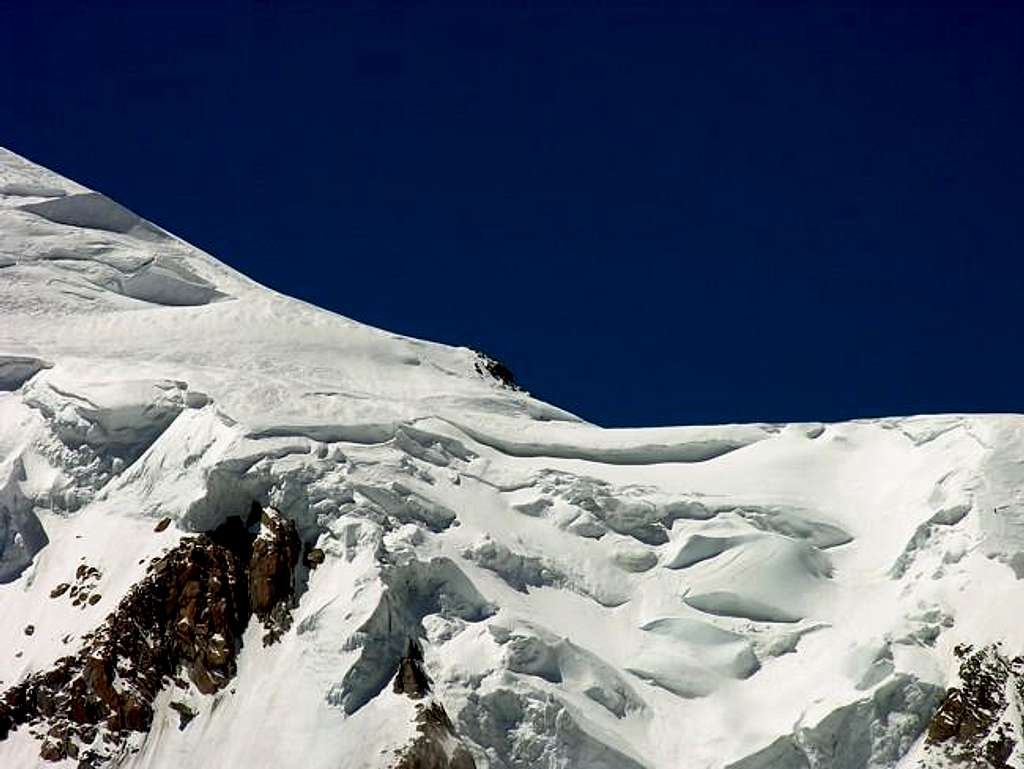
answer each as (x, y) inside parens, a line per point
(240, 530)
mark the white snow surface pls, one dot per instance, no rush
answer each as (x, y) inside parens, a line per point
(671, 598)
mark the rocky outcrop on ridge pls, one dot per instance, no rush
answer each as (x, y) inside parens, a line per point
(495, 369)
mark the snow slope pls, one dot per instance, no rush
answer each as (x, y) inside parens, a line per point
(741, 596)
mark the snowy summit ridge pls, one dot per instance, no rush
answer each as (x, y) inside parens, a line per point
(238, 530)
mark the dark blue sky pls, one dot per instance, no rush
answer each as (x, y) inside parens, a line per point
(652, 214)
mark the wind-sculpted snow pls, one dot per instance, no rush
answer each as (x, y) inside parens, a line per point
(519, 571)
(743, 596)
(875, 731)
(533, 651)
(770, 579)
(523, 729)
(84, 252)
(692, 658)
(93, 211)
(15, 370)
(591, 507)
(20, 178)
(412, 591)
(649, 447)
(700, 547)
(121, 419)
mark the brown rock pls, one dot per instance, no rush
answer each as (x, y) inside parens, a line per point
(163, 524)
(30, 629)
(433, 748)
(185, 713)
(60, 590)
(184, 618)
(53, 750)
(187, 614)
(968, 726)
(314, 557)
(271, 568)
(411, 679)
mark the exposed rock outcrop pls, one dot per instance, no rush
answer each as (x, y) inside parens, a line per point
(185, 713)
(438, 745)
(187, 615)
(275, 553)
(313, 557)
(412, 680)
(495, 369)
(971, 727)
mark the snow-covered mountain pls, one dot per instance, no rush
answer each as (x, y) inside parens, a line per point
(240, 531)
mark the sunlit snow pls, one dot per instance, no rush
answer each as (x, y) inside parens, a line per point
(749, 596)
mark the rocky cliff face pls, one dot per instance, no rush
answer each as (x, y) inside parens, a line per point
(185, 618)
(978, 724)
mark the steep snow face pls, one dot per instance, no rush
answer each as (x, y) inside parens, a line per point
(752, 596)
